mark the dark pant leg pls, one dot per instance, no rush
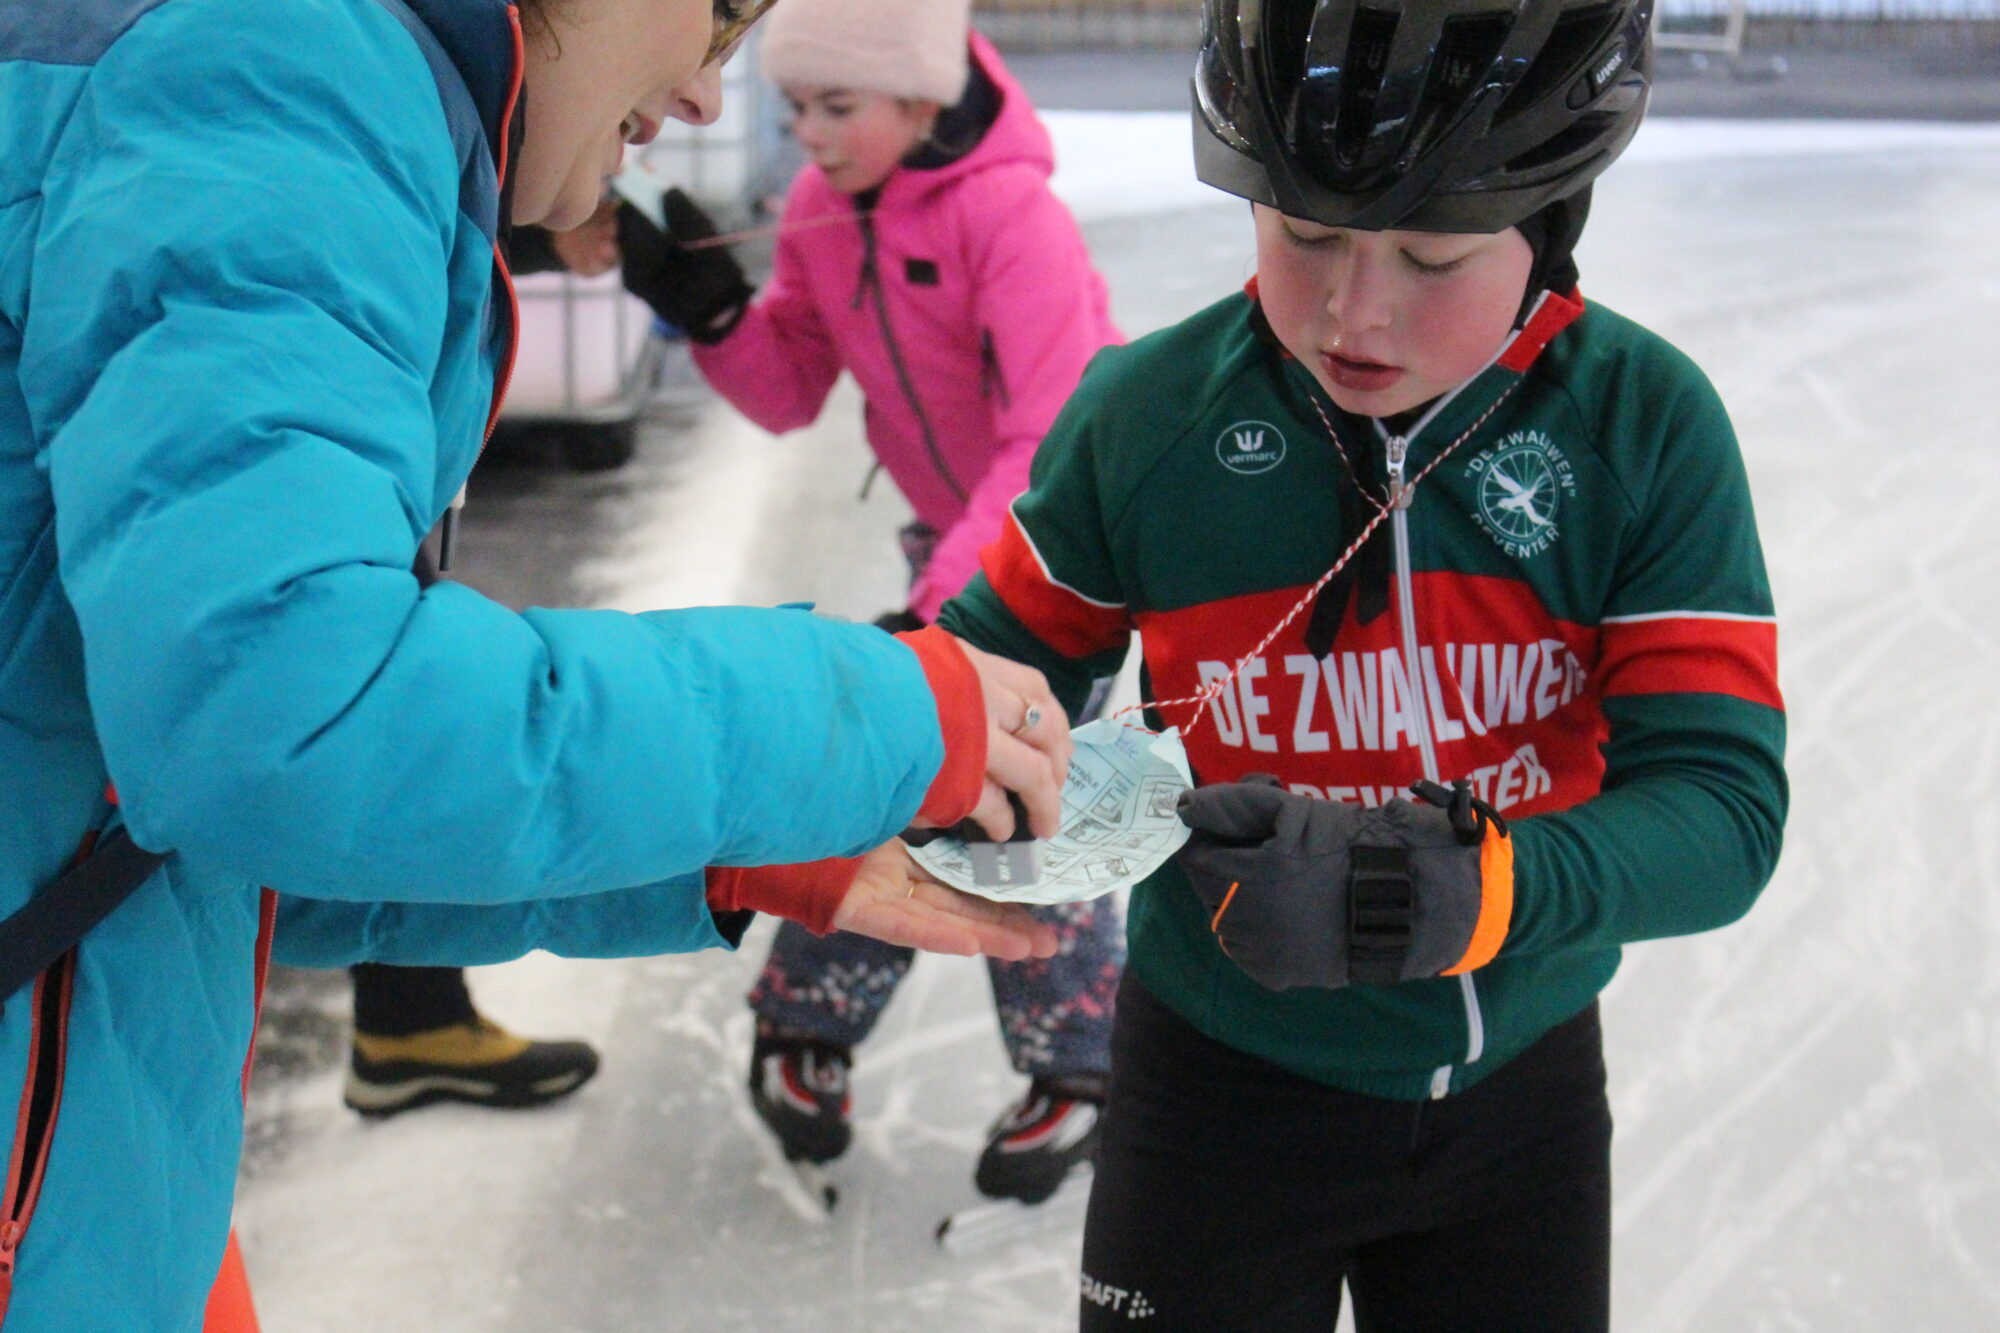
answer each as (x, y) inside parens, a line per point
(1510, 1225)
(833, 987)
(1055, 1013)
(397, 1001)
(1214, 1202)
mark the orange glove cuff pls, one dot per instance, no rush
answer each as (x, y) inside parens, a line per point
(1496, 902)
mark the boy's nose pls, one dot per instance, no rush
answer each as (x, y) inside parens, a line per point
(1357, 291)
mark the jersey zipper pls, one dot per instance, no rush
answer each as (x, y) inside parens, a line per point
(1396, 455)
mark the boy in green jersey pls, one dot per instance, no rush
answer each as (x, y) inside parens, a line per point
(1357, 1043)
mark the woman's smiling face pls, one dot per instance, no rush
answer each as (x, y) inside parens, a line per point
(601, 74)
(1387, 321)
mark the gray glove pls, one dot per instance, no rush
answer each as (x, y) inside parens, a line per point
(1305, 892)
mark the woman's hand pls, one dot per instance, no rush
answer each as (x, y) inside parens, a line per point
(1027, 746)
(893, 900)
(590, 250)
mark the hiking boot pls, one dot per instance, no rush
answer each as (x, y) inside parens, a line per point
(477, 1061)
(799, 1086)
(1043, 1137)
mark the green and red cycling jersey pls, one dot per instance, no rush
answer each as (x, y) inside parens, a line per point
(1577, 621)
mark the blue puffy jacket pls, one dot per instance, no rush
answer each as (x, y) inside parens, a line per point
(248, 349)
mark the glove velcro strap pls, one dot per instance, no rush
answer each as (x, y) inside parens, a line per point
(1379, 899)
(1496, 902)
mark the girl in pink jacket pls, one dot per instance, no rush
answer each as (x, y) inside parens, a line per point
(922, 250)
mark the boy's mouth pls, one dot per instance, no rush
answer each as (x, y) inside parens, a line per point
(1357, 374)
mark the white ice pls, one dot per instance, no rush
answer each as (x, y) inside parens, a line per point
(1808, 1103)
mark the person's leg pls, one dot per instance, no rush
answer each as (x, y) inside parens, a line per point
(399, 1001)
(817, 998)
(418, 1039)
(1055, 1013)
(1512, 1214)
(829, 987)
(1055, 1017)
(1219, 1183)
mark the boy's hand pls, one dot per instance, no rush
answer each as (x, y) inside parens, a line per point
(892, 900)
(1305, 892)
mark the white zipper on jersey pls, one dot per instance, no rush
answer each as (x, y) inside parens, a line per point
(1396, 452)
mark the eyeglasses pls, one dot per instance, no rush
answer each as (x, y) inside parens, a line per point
(731, 27)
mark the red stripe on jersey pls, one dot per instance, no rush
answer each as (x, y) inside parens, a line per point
(1691, 654)
(1552, 316)
(1060, 617)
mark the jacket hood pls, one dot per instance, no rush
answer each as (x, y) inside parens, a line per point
(1016, 136)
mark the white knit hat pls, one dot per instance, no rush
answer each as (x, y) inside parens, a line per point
(906, 48)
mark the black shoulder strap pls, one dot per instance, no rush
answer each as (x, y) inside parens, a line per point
(55, 919)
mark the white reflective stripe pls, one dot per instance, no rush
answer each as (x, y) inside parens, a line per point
(1475, 1043)
(1048, 575)
(1688, 615)
(1440, 1081)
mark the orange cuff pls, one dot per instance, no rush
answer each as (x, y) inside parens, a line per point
(808, 893)
(1496, 902)
(961, 707)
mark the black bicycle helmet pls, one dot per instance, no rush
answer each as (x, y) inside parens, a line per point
(1423, 115)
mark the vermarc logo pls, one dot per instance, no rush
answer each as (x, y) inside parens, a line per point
(1250, 447)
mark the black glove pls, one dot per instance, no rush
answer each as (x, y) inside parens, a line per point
(1305, 892)
(702, 291)
(899, 622)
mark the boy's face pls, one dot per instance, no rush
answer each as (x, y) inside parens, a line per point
(1388, 320)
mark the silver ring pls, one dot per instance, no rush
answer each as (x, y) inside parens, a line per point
(1029, 722)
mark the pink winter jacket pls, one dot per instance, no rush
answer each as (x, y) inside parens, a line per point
(966, 336)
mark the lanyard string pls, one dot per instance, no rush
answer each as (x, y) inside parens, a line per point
(774, 229)
(1208, 693)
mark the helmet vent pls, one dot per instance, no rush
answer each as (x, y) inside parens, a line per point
(1369, 44)
(1462, 65)
(1569, 51)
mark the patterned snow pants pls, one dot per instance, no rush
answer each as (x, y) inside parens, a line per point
(1055, 1013)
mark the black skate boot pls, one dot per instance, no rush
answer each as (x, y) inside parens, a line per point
(799, 1086)
(1041, 1138)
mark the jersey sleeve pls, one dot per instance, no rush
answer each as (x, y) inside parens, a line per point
(1687, 829)
(243, 469)
(1048, 593)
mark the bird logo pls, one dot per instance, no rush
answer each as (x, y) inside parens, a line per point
(1518, 494)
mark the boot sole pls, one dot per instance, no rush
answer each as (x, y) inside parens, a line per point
(379, 1100)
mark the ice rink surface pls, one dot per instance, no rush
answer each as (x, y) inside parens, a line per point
(1808, 1103)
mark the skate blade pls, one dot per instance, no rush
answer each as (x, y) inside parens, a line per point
(807, 1190)
(1003, 1221)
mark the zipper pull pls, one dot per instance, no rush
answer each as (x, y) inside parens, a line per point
(448, 534)
(1398, 454)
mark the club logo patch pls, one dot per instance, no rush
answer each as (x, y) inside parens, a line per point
(1250, 447)
(1522, 482)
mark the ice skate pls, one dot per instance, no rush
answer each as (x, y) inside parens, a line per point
(1035, 1144)
(799, 1086)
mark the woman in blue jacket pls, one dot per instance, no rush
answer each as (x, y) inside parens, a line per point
(252, 332)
